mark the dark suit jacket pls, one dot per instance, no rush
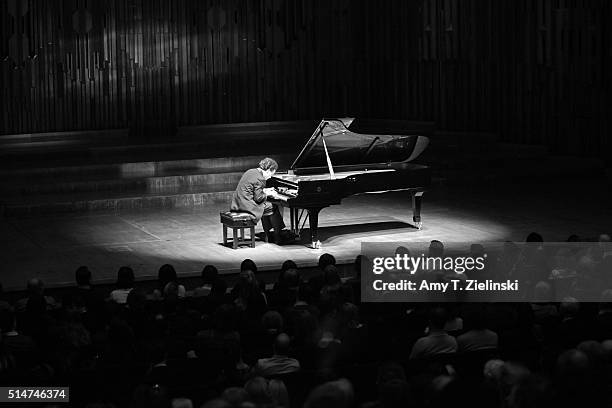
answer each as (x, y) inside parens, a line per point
(249, 195)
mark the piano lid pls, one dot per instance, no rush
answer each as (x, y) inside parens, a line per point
(347, 147)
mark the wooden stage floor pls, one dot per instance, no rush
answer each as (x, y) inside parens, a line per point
(53, 247)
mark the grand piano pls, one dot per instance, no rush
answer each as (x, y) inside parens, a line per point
(337, 162)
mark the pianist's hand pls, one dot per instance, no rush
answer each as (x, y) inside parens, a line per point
(270, 191)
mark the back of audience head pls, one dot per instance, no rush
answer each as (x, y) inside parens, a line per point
(125, 278)
(248, 265)
(171, 291)
(288, 264)
(594, 350)
(181, 403)
(325, 260)
(282, 344)
(36, 286)
(235, 396)
(257, 388)
(534, 237)
(209, 274)
(82, 276)
(265, 392)
(402, 250)
(218, 403)
(333, 394)
(572, 365)
(272, 321)
(573, 238)
(165, 275)
(436, 248)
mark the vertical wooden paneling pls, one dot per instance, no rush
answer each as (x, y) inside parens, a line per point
(536, 71)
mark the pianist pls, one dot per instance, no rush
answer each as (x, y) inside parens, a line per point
(251, 196)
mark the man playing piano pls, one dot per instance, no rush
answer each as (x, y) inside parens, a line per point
(251, 196)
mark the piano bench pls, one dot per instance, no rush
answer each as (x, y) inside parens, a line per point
(238, 222)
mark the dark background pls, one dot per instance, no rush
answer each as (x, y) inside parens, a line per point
(536, 71)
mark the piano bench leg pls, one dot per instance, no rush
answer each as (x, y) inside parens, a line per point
(234, 238)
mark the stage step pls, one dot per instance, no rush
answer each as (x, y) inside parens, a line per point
(201, 164)
(128, 172)
(94, 202)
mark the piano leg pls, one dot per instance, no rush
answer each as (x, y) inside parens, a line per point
(292, 216)
(416, 209)
(313, 217)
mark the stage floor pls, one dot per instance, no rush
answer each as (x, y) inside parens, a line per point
(53, 247)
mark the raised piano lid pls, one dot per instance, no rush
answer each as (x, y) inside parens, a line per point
(348, 148)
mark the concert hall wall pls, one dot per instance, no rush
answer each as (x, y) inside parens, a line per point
(536, 71)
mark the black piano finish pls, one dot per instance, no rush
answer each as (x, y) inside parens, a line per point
(309, 186)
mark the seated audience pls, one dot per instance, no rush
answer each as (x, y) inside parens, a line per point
(209, 275)
(125, 284)
(478, 336)
(167, 276)
(437, 341)
(280, 362)
(36, 287)
(312, 343)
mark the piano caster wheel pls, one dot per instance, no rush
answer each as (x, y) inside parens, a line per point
(419, 225)
(316, 245)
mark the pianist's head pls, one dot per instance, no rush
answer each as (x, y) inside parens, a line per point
(268, 167)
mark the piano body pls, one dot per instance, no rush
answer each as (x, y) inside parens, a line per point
(337, 162)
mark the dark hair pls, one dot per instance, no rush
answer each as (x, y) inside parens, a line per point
(288, 264)
(282, 344)
(125, 278)
(402, 250)
(268, 164)
(248, 265)
(209, 273)
(166, 274)
(534, 237)
(82, 275)
(436, 248)
(326, 260)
